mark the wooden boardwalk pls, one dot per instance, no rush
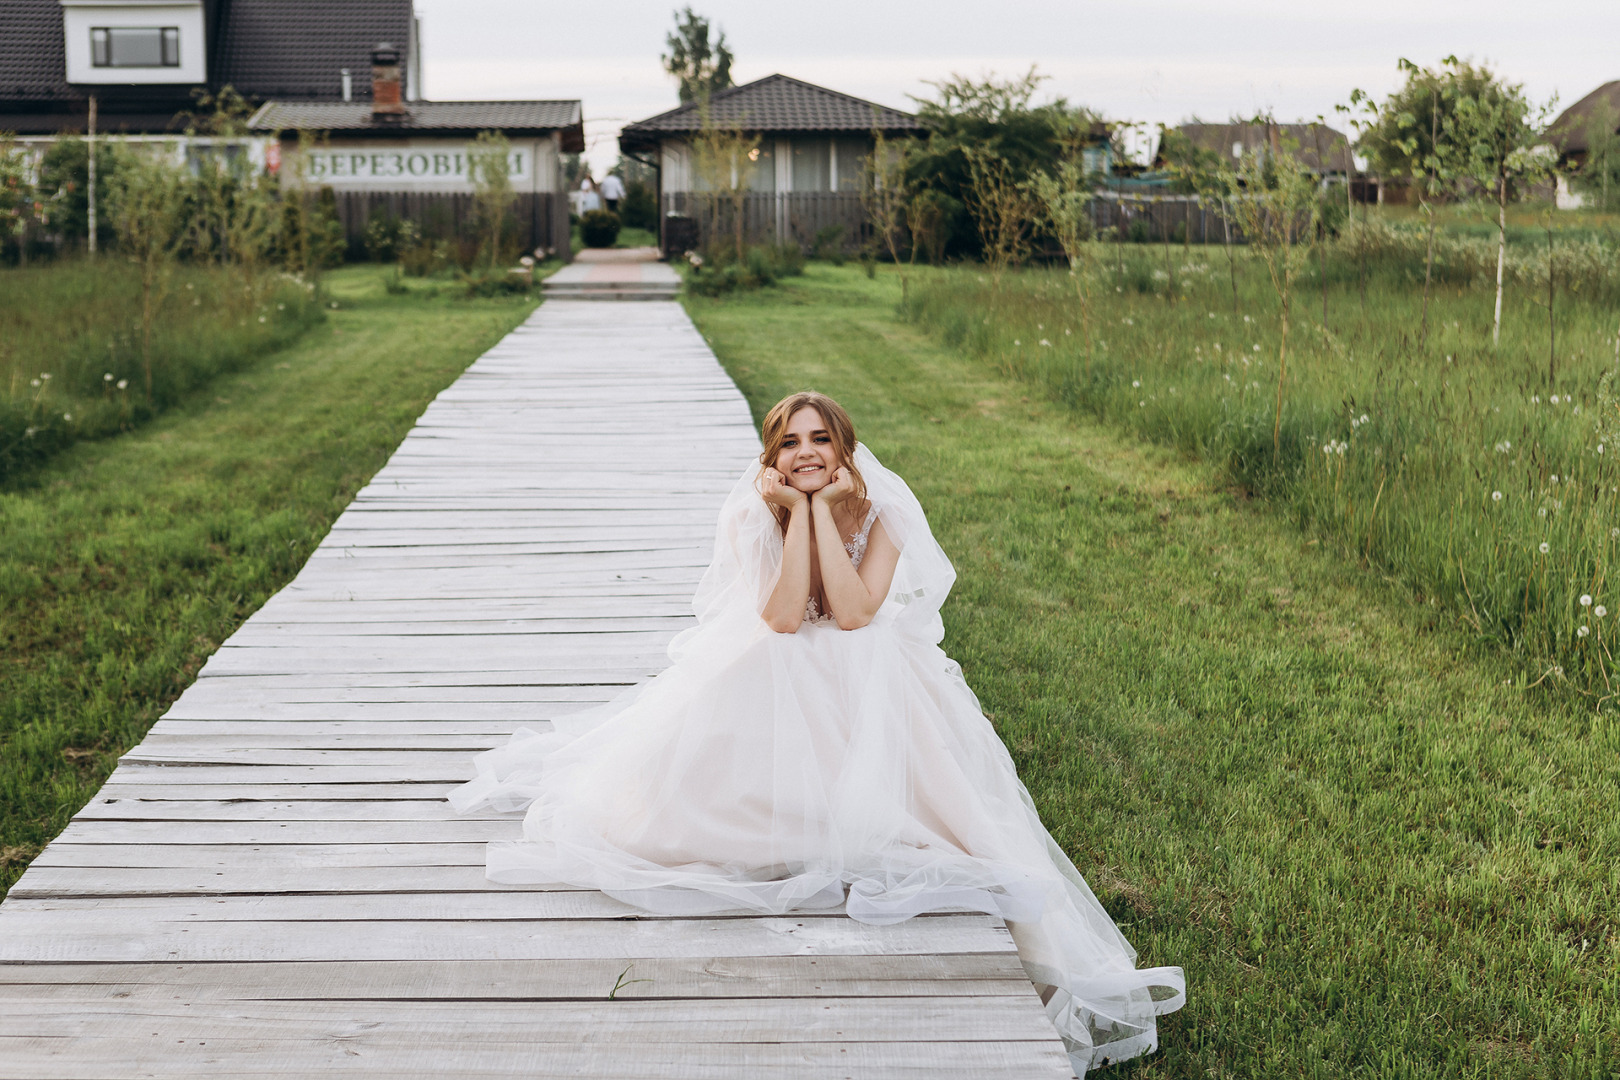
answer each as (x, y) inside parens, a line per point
(271, 884)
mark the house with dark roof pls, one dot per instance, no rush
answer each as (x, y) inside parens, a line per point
(1570, 134)
(1320, 150)
(349, 70)
(142, 60)
(805, 173)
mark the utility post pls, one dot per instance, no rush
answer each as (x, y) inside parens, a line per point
(90, 187)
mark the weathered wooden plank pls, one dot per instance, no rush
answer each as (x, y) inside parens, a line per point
(49, 1058)
(263, 855)
(65, 881)
(186, 833)
(56, 938)
(117, 804)
(911, 975)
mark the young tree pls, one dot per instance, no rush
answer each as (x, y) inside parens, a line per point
(1496, 129)
(1278, 210)
(1413, 135)
(724, 157)
(886, 196)
(699, 66)
(489, 165)
(148, 203)
(1204, 173)
(1063, 200)
(1001, 209)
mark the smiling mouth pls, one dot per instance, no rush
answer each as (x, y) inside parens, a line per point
(803, 469)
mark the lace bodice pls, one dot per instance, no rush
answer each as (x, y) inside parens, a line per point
(856, 546)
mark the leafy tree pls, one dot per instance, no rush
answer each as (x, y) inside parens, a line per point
(489, 165)
(1063, 199)
(887, 197)
(991, 120)
(1204, 173)
(701, 67)
(148, 199)
(724, 157)
(1497, 127)
(65, 170)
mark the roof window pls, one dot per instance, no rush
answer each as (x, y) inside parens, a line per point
(135, 46)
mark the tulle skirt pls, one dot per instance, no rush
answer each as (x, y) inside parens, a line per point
(809, 770)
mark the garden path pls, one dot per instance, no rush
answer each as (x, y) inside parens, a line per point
(271, 884)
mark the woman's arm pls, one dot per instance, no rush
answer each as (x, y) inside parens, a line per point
(784, 611)
(853, 596)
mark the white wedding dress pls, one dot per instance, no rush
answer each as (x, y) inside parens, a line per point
(769, 772)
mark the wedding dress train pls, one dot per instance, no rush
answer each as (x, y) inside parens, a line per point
(769, 772)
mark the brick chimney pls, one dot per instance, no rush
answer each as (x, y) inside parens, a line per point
(387, 103)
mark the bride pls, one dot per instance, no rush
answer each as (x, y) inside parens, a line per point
(811, 745)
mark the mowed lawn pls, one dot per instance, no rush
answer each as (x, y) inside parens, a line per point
(1372, 856)
(127, 561)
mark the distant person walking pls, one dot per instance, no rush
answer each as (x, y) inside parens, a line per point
(589, 198)
(612, 192)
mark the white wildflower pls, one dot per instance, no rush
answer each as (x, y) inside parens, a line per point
(1496, 496)
(1257, 348)
(67, 416)
(33, 382)
(1546, 548)
(1555, 478)
(1136, 382)
(1553, 400)
(1045, 343)
(123, 384)
(107, 377)
(1582, 631)
(1586, 601)
(1017, 341)
(261, 318)
(1600, 611)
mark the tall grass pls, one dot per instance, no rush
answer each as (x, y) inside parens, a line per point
(73, 358)
(1454, 465)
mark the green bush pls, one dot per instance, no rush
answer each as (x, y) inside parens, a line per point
(599, 228)
(761, 265)
(639, 207)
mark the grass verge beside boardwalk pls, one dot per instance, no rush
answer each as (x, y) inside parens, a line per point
(1371, 856)
(132, 558)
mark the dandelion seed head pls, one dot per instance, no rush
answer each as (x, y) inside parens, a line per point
(123, 384)
(107, 377)
(1586, 601)
(67, 416)
(1257, 348)
(1496, 496)
(45, 375)
(33, 382)
(1546, 548)
(1600, 611)
(1045, 344)
(1582, 631)
(1136, 382)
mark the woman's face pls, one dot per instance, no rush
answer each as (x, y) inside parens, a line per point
(808, 456)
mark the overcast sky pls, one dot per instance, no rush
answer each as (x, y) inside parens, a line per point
(1132, 60)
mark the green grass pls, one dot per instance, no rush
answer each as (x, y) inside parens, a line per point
(1392, 446)
(1298, 780)
(132, 558)
(76, 362)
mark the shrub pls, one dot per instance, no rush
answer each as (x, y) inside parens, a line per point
(829, 244)
(761, 265)
(599, 228)
(639, 207)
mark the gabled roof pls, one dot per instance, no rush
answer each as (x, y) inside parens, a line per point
(1220, 138)
(775, 103)
(1568, 132)
(438, 117)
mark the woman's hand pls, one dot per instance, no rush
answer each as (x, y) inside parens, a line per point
(839, 488)
(775, 490)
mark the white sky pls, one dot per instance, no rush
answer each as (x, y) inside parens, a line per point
(1148, 61)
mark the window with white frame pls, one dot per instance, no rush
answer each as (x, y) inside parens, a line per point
(135, 46)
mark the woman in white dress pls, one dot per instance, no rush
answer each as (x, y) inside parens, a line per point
(811, 745)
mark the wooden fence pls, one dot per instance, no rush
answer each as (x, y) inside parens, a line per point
(768, 217)
(540, 217)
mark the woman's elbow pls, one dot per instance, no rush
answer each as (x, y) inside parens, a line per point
(855, 621)
(784, 626)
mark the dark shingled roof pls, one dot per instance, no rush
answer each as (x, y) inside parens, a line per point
(774, 103)
(32, 65)
(1220, 137)
(1568, 132)
(298, 48)
(264, 48)
(438, 117)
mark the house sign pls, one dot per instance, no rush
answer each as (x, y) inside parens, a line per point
(427, 163)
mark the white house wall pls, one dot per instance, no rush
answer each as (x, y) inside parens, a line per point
(418, 164)
(79, 17)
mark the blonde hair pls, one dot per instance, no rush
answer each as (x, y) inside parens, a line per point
(773, 433)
